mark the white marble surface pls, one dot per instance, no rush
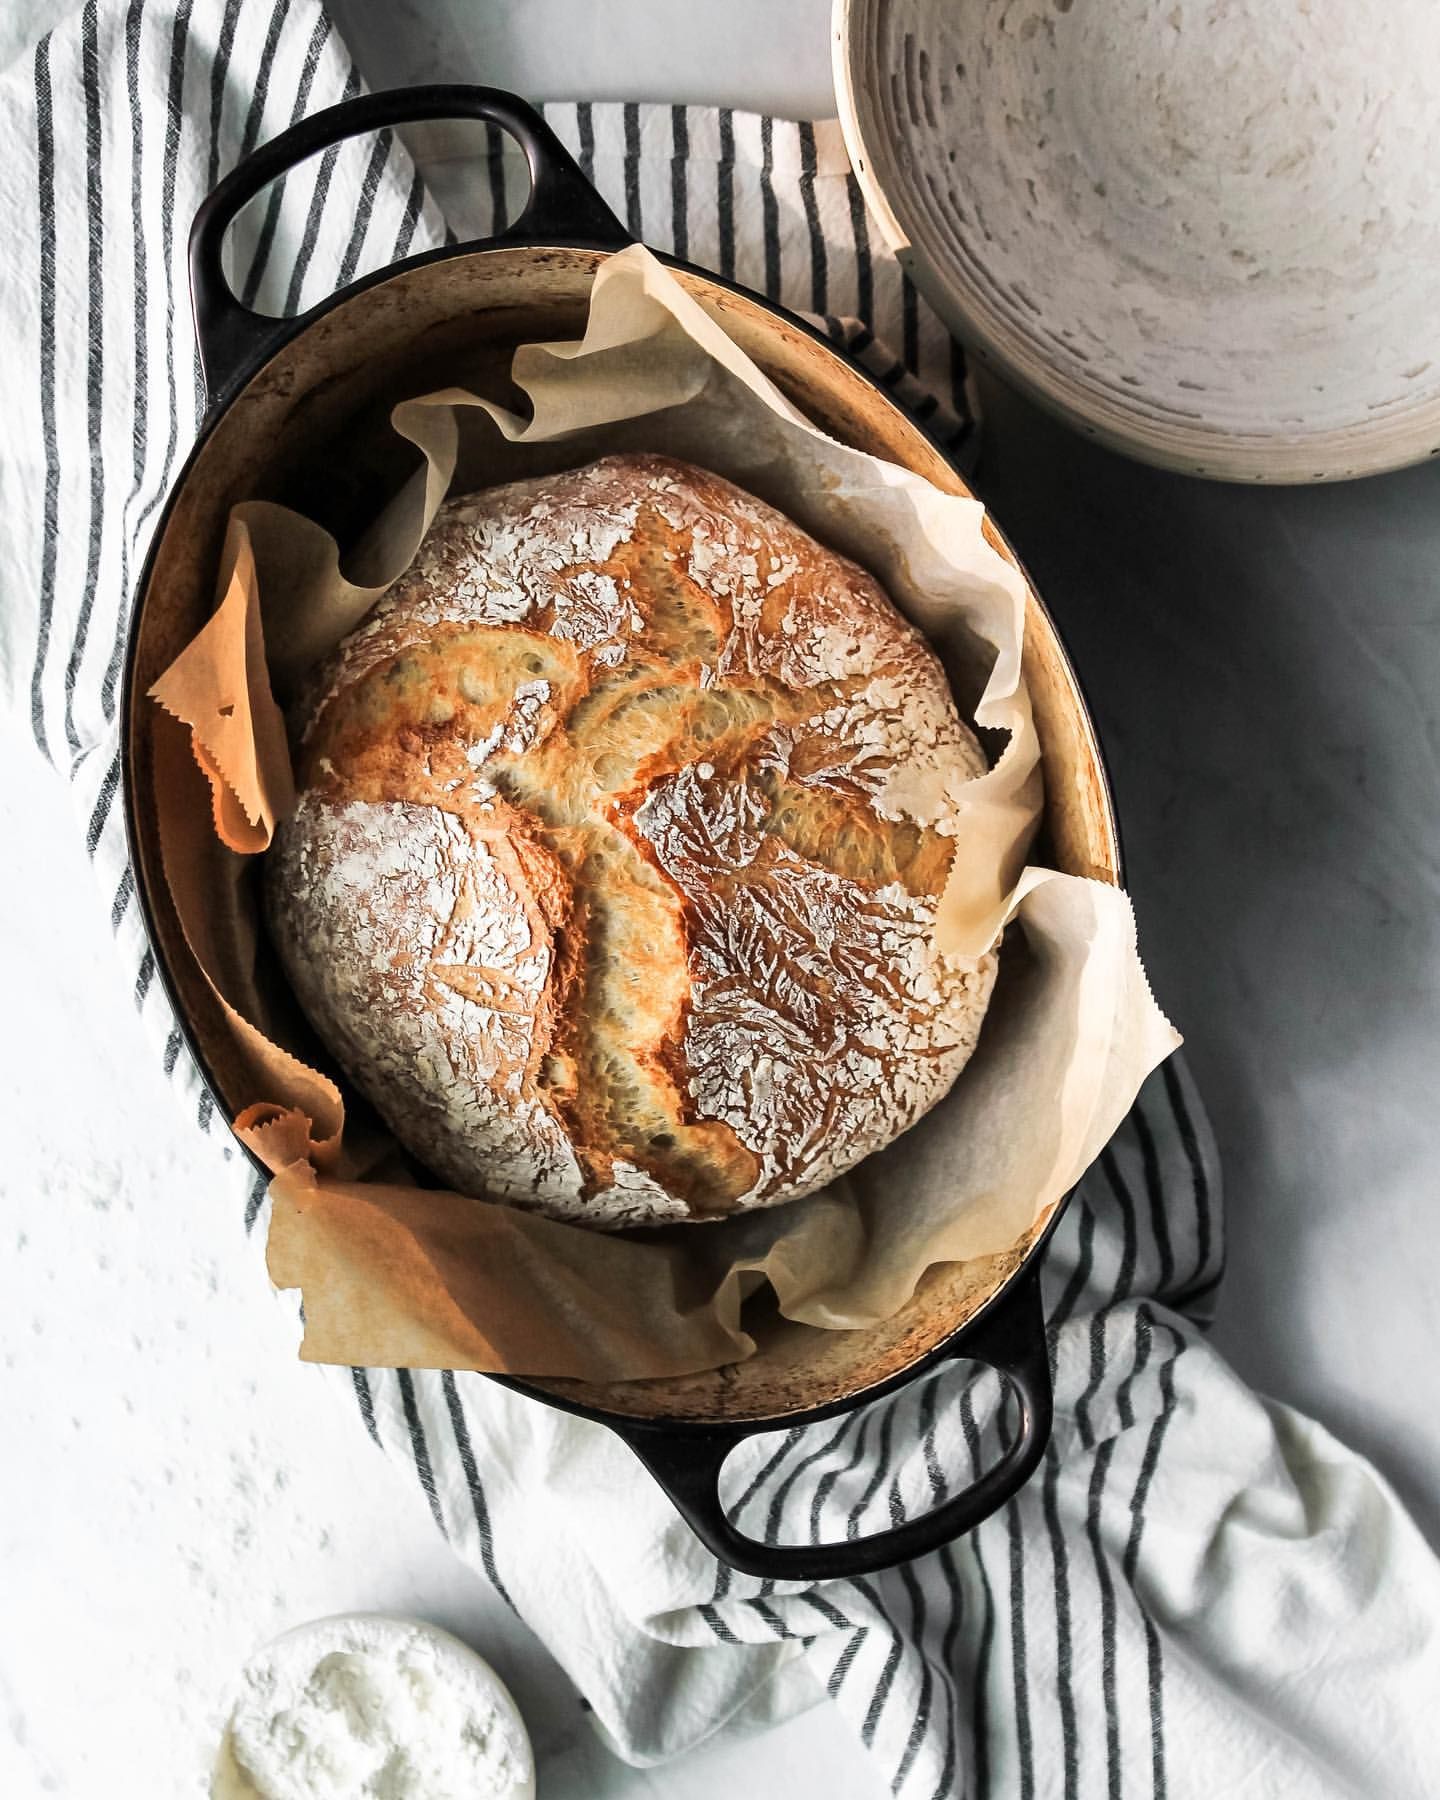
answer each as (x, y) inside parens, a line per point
(1265, 667)
(771, 55)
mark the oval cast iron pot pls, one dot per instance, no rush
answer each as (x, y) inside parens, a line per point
(282, 393)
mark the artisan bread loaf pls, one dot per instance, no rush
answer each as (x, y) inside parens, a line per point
(622, 822)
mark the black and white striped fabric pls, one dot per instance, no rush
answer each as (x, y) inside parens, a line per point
(1194, 1594)
(772, 204)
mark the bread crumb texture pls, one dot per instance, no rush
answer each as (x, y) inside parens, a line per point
(596, 887)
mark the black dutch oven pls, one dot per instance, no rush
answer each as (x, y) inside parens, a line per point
(282, 394)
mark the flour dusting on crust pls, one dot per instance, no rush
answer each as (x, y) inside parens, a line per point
(819, 1028)
(425, 969)
(614, 877)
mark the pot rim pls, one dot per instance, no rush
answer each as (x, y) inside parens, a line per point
(286, 331)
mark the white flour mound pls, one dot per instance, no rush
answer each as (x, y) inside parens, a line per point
(370, 1708)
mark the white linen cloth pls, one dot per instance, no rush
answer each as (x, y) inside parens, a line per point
(1201, 1591)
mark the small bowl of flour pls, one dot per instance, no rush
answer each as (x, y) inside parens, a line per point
(370, 1707)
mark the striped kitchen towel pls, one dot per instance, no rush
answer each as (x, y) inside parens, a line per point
(1201, 1591)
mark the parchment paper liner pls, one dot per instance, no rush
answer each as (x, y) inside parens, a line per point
(398, 1275)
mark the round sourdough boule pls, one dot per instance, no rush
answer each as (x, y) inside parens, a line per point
(605, 883)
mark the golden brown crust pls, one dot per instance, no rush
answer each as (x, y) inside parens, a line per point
(596, 887)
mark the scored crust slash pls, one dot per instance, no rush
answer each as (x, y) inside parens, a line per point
(611, 882)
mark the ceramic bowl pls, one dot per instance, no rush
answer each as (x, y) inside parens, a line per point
(321, 1644)
(1205, 234)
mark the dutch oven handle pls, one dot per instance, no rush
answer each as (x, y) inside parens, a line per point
(563, 207)
(686, 1460)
